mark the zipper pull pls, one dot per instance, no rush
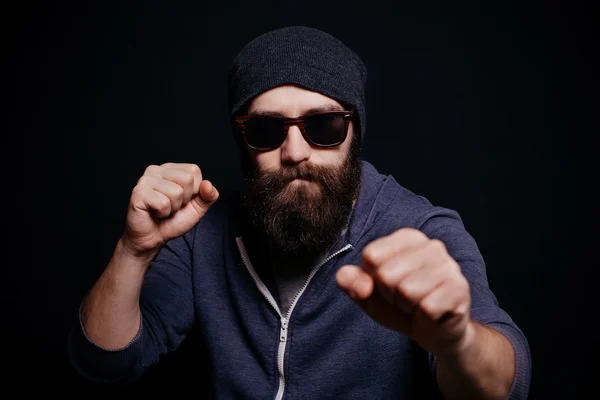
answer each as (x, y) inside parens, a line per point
(283, 335)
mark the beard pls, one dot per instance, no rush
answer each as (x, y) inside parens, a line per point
(302, 209)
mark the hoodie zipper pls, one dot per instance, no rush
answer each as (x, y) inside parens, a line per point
(284, 319)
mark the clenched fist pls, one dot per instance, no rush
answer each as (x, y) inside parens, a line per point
(167, 201)
(409, 283)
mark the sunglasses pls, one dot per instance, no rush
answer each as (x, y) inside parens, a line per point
(322, 129)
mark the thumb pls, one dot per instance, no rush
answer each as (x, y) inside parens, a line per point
(355, 282)
(361, 287)
(207, 194)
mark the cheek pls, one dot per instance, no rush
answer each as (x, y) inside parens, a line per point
(267, 160)
(333, 157)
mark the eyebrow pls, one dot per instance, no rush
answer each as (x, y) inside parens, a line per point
(267, 113)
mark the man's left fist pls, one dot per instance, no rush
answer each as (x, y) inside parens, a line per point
(409, 283)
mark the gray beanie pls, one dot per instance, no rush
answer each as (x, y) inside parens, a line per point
(303, 56)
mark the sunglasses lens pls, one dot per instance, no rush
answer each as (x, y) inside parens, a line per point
(325, 130)
(264, 133)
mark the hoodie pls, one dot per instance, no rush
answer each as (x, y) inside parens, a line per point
(213, 279)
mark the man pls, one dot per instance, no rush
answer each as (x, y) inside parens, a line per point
(321, 279)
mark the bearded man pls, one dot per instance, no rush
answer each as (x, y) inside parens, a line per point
(321, 278)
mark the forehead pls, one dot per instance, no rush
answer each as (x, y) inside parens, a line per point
(291, 100)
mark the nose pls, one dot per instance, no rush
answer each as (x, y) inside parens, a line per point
(294, 149)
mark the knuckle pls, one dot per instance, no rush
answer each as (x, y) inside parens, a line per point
(409, 232)
(428, 307)
(453, 266)
(463, 283)
(437, 247)
(151, 169)
(402, 234)
(457, 270)
(383, 275)
(136, 191)
(195, 169)
(178, 192)
(461, 310)
(143, 181)
(189, 179)
(164, 203)
(369, 253)
(405, 289)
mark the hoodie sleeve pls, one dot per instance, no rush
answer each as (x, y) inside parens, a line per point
(447, 226)
(167, 314)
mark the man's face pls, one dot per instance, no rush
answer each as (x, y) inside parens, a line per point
(299, 194)
(292, 101)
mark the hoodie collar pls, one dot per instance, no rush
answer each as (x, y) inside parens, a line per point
(377, 192)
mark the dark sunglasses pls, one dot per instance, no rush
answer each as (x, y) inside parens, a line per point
(322, 129)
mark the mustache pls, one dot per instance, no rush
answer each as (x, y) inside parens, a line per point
(309, 172)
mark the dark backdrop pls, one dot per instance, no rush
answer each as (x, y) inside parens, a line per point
(475, 106)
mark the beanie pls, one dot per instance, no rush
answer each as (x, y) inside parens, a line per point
(302, 56)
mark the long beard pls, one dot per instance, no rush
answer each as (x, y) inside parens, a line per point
(303, 218)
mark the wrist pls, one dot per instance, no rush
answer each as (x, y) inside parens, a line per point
(130, 259)
(125, 250)
(463, 346)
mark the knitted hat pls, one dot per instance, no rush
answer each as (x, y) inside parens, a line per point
(302, 56)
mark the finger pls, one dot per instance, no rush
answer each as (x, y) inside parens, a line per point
(355, 282)
(145, 198)
(431, 252)
(172, 190)
(183, 178)
(411, 289)
(378, 308)
(447, 301)
(152, 170)
(380, 250)
(389, 275)
(398, 266)
(194, 169)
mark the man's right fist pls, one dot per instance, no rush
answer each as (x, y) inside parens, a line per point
(167, 201)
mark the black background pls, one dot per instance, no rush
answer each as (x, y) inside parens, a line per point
(480, 107)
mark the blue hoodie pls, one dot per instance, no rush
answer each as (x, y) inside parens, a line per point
(325, 346)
